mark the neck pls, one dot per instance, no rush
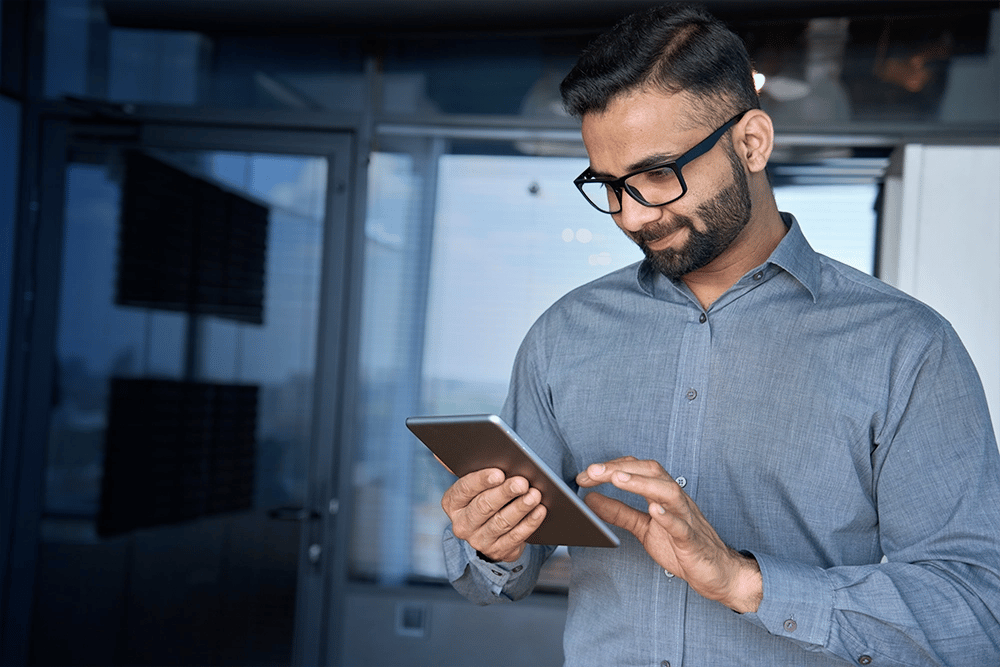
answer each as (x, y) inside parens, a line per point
(751, 248)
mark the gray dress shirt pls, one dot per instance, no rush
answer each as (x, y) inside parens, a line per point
(822, 420)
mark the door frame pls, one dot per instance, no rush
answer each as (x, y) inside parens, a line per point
(34, 325)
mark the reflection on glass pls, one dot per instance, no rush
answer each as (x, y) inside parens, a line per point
(99, 339)
(223, 584)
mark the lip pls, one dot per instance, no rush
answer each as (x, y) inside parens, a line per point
(664, 242)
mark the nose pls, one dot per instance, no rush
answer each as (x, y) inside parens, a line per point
(634, 216)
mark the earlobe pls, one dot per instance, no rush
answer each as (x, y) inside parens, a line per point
(758, 139)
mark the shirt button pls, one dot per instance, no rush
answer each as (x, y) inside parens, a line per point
(691, 394)
(498, 573)
(790, 625)
(681, 481)
(702, 318)
(864, 660)
(670, 575)
(664, 663)
(758, 275)
(518, 568)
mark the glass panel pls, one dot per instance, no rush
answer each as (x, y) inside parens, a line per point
(153, 66)
(10, 140)
(442, 324)
(203, 574)
(936, 67)
(932, 66)
(67, 24)
(838, 219)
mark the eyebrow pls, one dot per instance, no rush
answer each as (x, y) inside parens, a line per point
(636, 166)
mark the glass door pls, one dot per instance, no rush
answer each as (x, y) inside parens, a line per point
(188, 477)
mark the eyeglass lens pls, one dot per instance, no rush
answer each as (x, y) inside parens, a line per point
(656, 187)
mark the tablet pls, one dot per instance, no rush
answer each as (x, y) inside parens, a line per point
(466, 443)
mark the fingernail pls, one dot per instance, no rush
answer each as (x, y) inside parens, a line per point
(495, 477)
(597, 469)
(657, 509)
(622, 476)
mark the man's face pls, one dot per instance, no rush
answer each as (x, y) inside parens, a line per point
(690, 233)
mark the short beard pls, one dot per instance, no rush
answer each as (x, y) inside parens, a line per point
(724, 216)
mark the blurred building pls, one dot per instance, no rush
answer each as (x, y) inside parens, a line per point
(242, 240)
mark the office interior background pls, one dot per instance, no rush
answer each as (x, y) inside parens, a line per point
(241, 241)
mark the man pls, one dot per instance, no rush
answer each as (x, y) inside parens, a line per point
(781, 436)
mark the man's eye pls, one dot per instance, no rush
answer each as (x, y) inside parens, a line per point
(663, 174)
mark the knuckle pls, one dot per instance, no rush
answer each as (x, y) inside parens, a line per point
(483, 506)
(464, 486)
(501, 523)
(461, 530)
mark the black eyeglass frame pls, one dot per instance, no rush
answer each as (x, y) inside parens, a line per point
(619, 184)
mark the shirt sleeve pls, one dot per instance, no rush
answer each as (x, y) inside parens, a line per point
(935, 597)
(485, 583)
(528, 412)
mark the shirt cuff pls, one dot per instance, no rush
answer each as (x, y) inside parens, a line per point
(497, 574)
(798, 601)
(459, 553)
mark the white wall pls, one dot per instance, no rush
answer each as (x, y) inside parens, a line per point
(941, 244)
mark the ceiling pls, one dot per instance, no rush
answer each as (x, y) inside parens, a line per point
(429, 16)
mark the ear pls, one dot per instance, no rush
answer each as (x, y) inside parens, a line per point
(756, 141)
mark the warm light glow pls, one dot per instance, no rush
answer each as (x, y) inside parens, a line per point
(758, 80)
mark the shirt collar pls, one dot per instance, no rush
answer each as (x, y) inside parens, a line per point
(793, 254)
(796, 256)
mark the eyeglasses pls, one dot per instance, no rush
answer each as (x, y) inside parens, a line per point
(658, 185)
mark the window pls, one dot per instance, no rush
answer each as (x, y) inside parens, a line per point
(446, 307)
(464, 250)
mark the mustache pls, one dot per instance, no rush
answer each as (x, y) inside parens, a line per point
(650, 233)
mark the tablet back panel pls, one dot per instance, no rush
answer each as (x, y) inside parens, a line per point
(466, 443)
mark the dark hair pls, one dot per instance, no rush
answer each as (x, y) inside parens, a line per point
(672, 48)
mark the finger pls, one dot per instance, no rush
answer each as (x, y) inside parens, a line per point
(501, 519)
(490, 502)
(600, 473)
(669, 521)
(618, 513)
(508, 545)
(504, 519)
(659, 489)
(467, 487)
(468, 519)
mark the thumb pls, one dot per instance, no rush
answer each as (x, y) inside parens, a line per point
(618, 513)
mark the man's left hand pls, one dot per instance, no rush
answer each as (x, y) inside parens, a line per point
(674, 532)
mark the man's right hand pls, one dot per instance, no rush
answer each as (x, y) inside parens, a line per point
(493, 514)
